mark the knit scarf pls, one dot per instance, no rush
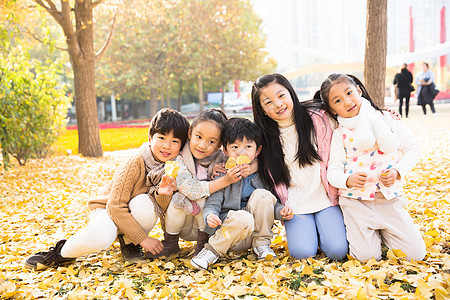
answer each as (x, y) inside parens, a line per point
(369, 128)
(154, 168)
(207, 162)
(155, 171)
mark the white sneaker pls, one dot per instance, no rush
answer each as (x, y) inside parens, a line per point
(203, 259)
(435, 114)
(264, 252)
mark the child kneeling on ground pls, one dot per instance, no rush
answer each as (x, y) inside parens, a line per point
(245, 210)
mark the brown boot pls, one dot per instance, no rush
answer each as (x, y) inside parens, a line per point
(202, 239)
(170, 244)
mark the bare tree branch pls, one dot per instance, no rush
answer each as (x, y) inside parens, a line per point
(94, 4)
(111, 31)
(51, 9)
(69, 31)
(39, 39)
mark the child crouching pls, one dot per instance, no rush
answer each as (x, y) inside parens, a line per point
(244, 211)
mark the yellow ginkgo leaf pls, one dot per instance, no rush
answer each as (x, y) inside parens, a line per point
(242, 159)
(225, 232)
(171, 168)
(231, 163)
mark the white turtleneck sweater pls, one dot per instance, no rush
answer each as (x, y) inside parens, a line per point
(306, 193)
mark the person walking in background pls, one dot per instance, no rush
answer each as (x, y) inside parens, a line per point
(426, 89)
(403, 81)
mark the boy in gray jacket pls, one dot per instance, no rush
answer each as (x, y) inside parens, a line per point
(244, 211)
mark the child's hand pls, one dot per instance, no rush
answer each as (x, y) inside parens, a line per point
(234, 174)
(213, 220)
(217, 169)
(167, 186)
(393, 113)
(152, 245)
(245, 170)
(388, 177)
(357, 180)
(287, 213)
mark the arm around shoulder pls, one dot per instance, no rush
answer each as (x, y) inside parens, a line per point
(190, 186)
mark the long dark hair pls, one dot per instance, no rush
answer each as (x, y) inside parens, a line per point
(333, 79)
(271, 157)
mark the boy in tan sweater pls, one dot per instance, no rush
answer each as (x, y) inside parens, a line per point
(129, 206)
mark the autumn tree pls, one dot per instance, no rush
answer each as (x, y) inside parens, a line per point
(376, 49)
(76, 18)
(238, 43)
(148, 47)
(161, 47)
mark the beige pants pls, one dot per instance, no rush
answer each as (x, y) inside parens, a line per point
(177, 222)
(249, 227)
(369, 223)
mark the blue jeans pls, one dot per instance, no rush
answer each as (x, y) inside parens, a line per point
(324, 229)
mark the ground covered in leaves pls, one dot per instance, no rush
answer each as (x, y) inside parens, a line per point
(44, 201)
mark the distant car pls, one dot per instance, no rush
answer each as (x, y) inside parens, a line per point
(243, 110)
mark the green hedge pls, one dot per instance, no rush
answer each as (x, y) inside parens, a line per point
(33, 105)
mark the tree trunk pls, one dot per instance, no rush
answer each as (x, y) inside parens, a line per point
(86, 107)
(134, 109)
(83, 64)
(80, 45)
(222, 105)
(200, 92)
(122, 109)
(180, 94)
(376, 49)
(167, 93)
(153, 101)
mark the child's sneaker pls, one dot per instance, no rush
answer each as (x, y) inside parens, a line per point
(264, 252)
(130, 252)
(50, 259)
(204, 258)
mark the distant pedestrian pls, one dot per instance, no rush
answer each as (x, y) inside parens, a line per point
(403, 81)
(426, 89)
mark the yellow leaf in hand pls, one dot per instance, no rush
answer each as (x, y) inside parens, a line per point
(231, 163)
(171, 168)
(242, 159)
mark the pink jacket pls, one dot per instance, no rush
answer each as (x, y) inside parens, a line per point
(324, 133)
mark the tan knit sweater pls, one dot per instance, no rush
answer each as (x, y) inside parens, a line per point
(128, 182)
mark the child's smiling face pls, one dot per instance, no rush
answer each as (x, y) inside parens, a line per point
(345, 99)
(276, 102)
(164, 146)
(204, 139)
